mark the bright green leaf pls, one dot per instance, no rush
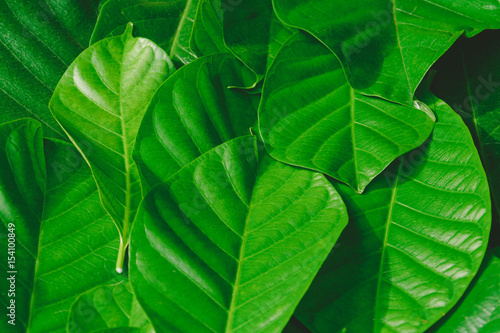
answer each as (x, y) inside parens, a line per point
(100, 102)
(231, 242)
(38, 41)
(386, 47)
(479, 310)
(167, 23)
(108, 308)
(310, 116)
(193, 112)
(414, 242)
(468, 79)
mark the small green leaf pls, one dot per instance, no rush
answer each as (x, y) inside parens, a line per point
(414, 242)
(100, 102)
(386, 47)
(310, 116)
(232, 241)
(193, 112)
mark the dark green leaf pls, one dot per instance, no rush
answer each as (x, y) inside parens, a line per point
(230, 243)
(38, 40)
(193, 112)
(310, 116)
(468, 79)
(414, 242)
(100, 102)
(386, 47)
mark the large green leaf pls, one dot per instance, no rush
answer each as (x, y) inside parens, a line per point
(414, 242)
(311, 117)
(479, 310)
(386, 47)
(468, 78)
(100, 102)
(208, 37)
(167, 23)
(254, 34)
(231, 242)
(76, 248)
(193, 112)
(38, 41)
(108, 308)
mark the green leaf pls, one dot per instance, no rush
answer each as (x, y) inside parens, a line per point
(479, 309)
(231, 242)
(386, 47)
(468, 78)
(167, 23)
(414, 242)
(74, 251)
(310, 116)
(254, 34)
(38, 41)
(109, 308)
(193, 112)
(208, 36)
(295, 326)
(100, 102)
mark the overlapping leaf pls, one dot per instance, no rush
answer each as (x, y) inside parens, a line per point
(479, 309)
(77, 245)
(100, 102)
(109, 308)
(38, 40)
(468, 79)
(311, 117)
(167, 23)
(414, 242)
(231, 242)
(193, 112)
(386, 47)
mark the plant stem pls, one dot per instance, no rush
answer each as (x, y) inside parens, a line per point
(121, 256)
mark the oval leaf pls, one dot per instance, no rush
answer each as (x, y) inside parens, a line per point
(310, 116)
(100, 102)
(230, 244)
(414, 242)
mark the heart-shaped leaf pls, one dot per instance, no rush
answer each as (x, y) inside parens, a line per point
(167, 23)
(231, 242)
(38, 41)
(100, 102)
(386, 47)
(193, 112)
(311, 117)
(414, 242)
(50, 187)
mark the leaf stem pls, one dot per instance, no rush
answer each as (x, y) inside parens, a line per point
(121, 256)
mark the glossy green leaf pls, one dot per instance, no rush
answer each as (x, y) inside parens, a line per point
(38, 41)
(231, 242)
(100, 102)
(386, 47)
(479, 310)
(254, 34)
(77, 245)
(311, 117)
(167, 23)
(108, 308)
(468, 79)
(414, 242)
(193, 112)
